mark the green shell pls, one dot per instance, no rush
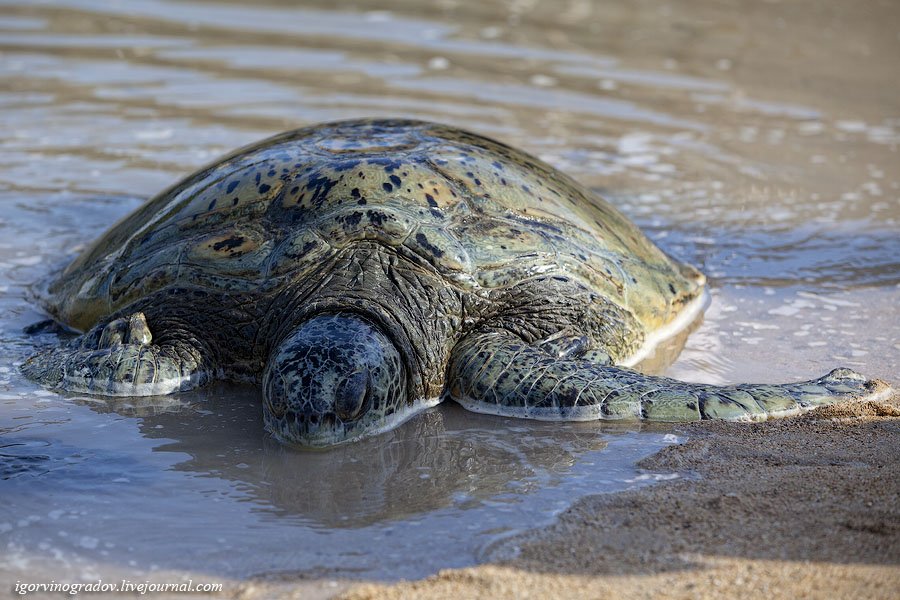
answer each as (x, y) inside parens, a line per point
(483, 214)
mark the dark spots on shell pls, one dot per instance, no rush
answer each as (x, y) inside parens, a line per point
(231, 186)
(421, 187)
(389, 164)
(497, 164)
(258, 177)
(526, 189)
(361, 201)
(264, 188)
(353, 219)
(320, 186)
(355, 193)
(212, 204)
(560, 278)
(295, 189)
(395, 180)
(431, 201)
(271, 173)
(387, 187)
(423, 241)
(672, 288)
(346, 165)
(234, 201)
(436, 213)
(228, 244)
(633, 280)
(503, 181)
(472, 176)
(377, 218)
(692, 406)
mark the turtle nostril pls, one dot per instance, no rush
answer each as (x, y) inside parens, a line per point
(350, 396)
(277, 408)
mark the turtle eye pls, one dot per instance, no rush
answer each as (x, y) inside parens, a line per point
(351, 396)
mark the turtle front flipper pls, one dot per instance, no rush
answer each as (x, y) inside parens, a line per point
(495, 372)
(119, 359)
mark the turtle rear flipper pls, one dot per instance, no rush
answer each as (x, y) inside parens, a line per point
(119, 359)
(495, 372)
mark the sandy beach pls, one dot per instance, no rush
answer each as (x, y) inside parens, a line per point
(804, 507)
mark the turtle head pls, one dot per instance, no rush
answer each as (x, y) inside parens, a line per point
(333, 379)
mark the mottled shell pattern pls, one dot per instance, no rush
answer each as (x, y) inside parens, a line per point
(482, 213)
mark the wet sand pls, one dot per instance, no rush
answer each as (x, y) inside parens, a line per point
(804, 507)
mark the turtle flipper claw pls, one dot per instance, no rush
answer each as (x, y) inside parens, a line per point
(842, 383)
(132, 329)
(119, 359)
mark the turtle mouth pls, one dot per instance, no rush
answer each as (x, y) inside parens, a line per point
(311, 431)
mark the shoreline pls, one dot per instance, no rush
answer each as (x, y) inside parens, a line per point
(798, 507)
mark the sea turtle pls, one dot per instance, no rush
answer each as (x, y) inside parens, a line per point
(365, 270)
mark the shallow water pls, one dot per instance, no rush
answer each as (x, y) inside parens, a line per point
(760, 146)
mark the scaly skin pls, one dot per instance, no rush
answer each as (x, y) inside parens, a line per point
(309, 392)
(119, 359)
(363, 270)
(497, 373)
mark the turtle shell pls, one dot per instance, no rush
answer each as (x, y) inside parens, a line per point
(483, 214)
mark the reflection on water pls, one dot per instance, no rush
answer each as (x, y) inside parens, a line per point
(760, 145)
(124, 497)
